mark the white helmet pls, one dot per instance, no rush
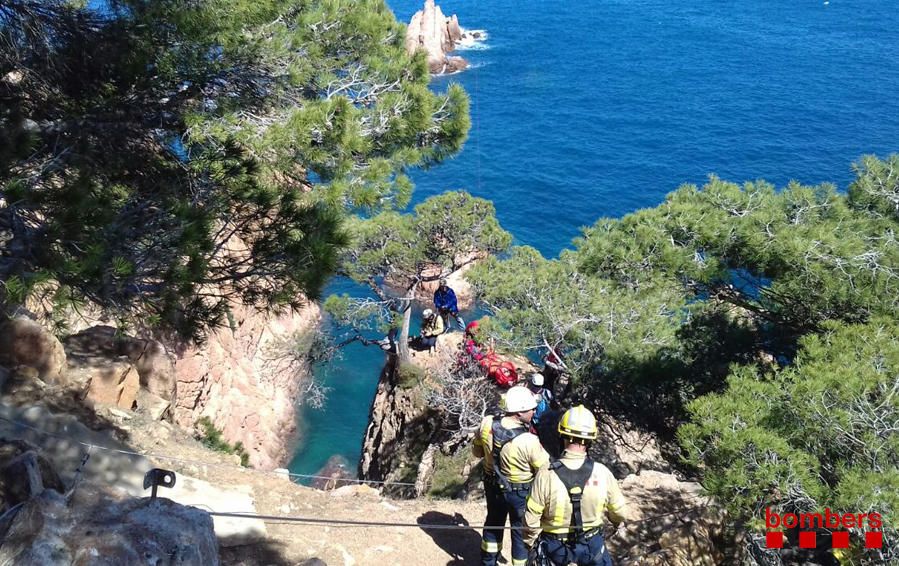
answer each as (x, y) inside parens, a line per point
(518, 400)
(537, 379)
(427, 313)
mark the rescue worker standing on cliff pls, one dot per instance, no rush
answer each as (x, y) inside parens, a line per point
(511, 455)
(570, 497)
(447, 306)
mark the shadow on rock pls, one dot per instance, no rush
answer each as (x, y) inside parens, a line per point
(463, 545)
(267, 553)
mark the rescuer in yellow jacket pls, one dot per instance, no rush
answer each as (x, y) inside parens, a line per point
(511, 457)
(569, 498)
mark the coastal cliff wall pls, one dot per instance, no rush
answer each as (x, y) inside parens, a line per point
(237, 380)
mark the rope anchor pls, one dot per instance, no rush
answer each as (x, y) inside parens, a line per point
(158, 477)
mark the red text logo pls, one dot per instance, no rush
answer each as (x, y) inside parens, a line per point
(839, 524)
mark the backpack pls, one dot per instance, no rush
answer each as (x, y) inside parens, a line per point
(575, 481)
(501, 437)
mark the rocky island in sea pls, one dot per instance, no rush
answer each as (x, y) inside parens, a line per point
(439, 35)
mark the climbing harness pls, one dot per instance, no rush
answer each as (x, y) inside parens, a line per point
(575, 481)
(501, 437)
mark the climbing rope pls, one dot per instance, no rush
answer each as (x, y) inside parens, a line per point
(290, 519)
(292, 475)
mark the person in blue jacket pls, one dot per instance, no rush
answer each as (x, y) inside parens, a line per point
(445, 302)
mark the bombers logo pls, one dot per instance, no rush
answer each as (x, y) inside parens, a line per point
(871, 523)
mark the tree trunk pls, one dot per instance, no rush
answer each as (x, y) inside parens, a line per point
(402, 346)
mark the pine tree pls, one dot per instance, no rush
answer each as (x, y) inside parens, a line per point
(160, 159)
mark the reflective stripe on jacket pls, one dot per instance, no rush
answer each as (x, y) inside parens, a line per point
(549, 507)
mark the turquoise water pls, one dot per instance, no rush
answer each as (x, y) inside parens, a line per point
(584, 110)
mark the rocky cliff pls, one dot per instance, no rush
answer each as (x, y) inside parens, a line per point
(242, 378)
(244, 381)
(438, 35)
(400, 429)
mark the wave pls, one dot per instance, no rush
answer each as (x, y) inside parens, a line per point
(473, 39)
(470, 67)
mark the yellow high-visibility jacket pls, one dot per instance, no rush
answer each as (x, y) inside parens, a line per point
(549, 507)
(519, 459)
(433, 327)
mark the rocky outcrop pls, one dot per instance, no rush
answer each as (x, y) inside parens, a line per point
(51, 531)
(400, 429)
(25, 343)
(152, 363)
(90, 525)
(117, 465)
(430, 30)
(626, 450)
(242, 379)
(670, 523)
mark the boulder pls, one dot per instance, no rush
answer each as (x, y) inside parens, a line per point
(151, 360)
(65, 445)
(230, 531)
(626, 450)
(47, 531)
(332, 474)
(24, 342)
(154, 365)
(152, 405)
(108, 381)
(673, 518)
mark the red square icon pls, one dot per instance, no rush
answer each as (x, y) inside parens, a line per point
(807, 539)
(874, 539)
(840, 539)
(774, 539)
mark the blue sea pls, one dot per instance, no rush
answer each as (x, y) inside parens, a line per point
(582, 110)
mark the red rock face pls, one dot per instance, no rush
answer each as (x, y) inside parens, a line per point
(430, 30)
(233, 379)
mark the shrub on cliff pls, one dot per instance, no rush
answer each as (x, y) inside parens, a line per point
(160, 159)
(212, 438)
(821, 433)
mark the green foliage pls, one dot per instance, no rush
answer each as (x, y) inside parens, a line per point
(446, 231)
(783, 243)
(448, 479)
(442, 235)
(612, 334)
(823, 432)
(211, 438)
(168, 158)
(409, 375)
(651, 310)
(876, 187)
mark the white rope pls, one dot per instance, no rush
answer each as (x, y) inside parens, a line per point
(199, 462)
